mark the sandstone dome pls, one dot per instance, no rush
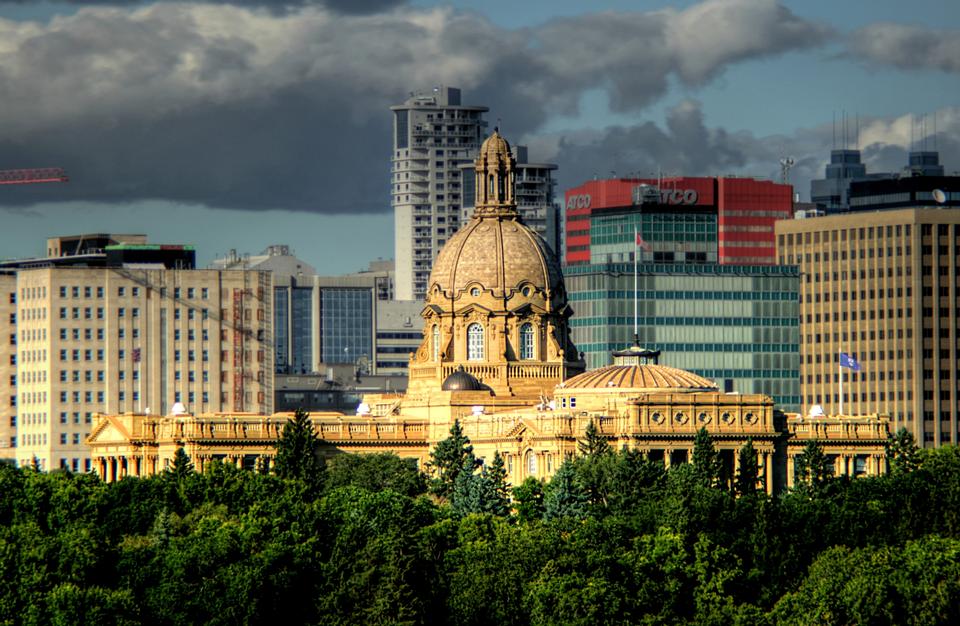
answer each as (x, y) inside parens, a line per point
(639, 378)
(495, 253)
(500, 255)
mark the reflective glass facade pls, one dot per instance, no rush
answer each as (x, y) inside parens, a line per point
(281, 330)
(301, 330)
(346, 324)
(737, 325)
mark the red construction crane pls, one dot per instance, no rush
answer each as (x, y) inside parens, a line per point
(35, 175)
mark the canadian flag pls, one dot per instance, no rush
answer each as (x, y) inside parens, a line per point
(641, 243)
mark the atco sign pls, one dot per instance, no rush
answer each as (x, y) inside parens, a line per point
(678, 196)
(581, 201)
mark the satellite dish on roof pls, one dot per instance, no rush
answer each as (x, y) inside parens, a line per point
(178, 409)
(816, 411)
(939, 196)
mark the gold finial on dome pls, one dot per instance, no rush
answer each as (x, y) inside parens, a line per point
(495, 171)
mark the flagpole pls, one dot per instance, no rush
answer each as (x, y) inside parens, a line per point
(636, 254)
(840, 360)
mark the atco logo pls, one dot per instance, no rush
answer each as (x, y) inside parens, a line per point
(581, 201)
(678, 196)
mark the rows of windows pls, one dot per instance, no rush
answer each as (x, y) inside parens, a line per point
(74, 375)
(712, 348)
(685, 321)
(74, 464)
(77, 397)
(708, 270)
(716, 374)
(65, 417)
(736, 296)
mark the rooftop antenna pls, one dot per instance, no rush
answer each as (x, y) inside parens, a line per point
(497, 127)
(833, 127)
(785, 164)
(857, 135)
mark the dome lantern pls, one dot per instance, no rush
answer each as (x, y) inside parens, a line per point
(495, 171)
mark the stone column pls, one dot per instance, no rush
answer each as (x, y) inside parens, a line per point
(736, 466)
(791, 470)
(768, 472)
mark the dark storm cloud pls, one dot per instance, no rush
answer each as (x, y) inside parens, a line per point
(686, 146)
(908, 47)
(227, 107)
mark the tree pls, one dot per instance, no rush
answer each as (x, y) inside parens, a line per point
(564, 497)
(497, 474)
(747, 475)
(182, 465)
(448, 459)
(375, 472)
(594, 444)
(528, 499)
(811, 467)
(706, 462)
(298, 450)
(902, 452)
(485, 492)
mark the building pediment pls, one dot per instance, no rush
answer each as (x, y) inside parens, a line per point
(474, 310)
(523, 429)
(110, 430)
(527, 309)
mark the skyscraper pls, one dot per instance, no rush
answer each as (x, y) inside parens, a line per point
(433, 134)
(881, 287)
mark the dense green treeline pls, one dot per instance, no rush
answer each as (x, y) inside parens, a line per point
(613, 538)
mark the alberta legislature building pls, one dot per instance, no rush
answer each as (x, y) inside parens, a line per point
(497, 356)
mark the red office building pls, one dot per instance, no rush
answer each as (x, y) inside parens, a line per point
(679, 220)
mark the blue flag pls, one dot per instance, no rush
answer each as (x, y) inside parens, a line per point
(848, 361)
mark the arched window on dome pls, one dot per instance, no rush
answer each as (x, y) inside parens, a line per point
(527, 335)
(475, 343)
(436, 342)
(490, 188)
(531, 463)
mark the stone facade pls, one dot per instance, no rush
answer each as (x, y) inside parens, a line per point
(497, 356)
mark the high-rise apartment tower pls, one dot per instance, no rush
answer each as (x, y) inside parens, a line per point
(433, 134)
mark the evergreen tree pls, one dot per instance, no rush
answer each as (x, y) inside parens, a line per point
(448, 459)
(594, 444)
(468, 489)
(298, 450)
(706, 462)
(811, 467)
(500, 494)
(182, 465)
(486, 492)
(564, 497)
(528, 500)
(746, 481)
(902, 452)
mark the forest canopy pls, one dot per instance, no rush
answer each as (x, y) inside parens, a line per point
(613, 538)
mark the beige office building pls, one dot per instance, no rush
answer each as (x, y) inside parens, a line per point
(882, 287)
(8, 366)
(105, 340)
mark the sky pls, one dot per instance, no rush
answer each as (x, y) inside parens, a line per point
(240, 124)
